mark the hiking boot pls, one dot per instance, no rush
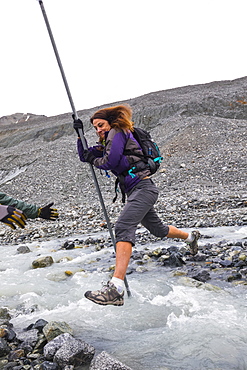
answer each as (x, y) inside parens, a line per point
(107, 295)
(194, 245)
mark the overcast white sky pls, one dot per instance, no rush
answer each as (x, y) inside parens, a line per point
(114, 50)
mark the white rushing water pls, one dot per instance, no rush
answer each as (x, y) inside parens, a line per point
(169, 322)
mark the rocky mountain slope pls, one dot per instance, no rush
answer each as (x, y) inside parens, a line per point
(201, 131)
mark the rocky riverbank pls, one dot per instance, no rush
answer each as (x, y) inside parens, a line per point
(48, 346)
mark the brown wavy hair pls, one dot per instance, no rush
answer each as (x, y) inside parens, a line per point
(119, 116)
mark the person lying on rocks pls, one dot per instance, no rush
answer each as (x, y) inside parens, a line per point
(15, 212)
(114, 128)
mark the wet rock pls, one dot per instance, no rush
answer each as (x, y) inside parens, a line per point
(7, 333)
(240, 264)
(137, 255)
(174, 260)
(234, 276)
(55, 328)
(51, 348)
(68, 273)
(3, 332)
(244, 271)
(202, 276)
(65, 349)
(23, 249)
(4, 347)
(42, 262)
(156, 253)
(3, 363)
(11, 366)
(42, 341)
(242, 257)
(46, 365)
(16, 354)
(225, 263)
(68, 245)
(40, 324)
(4, 314)
(141, 269)
(74, 352)
(105, 361)
(29, 337)
(173, 249)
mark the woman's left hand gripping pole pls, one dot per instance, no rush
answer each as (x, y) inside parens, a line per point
(78, 126)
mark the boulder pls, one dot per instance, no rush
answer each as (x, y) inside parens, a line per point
(105, 362)
(55, 328)
(66, 350)
(42, 262)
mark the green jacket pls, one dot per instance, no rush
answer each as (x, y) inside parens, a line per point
(30, 210)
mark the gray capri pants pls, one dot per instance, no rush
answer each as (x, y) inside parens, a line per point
(139, 209)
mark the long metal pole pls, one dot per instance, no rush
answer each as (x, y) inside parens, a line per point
(84, 143)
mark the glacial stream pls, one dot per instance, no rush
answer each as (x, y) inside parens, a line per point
(170, 322)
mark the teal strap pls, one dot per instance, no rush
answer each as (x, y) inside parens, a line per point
(158, 159)
(130, 172)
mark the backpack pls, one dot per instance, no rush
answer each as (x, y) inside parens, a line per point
(151, 154)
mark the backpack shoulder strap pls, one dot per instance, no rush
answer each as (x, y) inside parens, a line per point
(117, 182)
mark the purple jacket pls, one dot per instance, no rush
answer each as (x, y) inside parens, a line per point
(111, 156)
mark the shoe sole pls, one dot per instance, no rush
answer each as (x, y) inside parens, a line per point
(106, 303)
(117, 303)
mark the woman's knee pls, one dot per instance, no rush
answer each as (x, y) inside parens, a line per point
(124, 234)
(160, 231)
